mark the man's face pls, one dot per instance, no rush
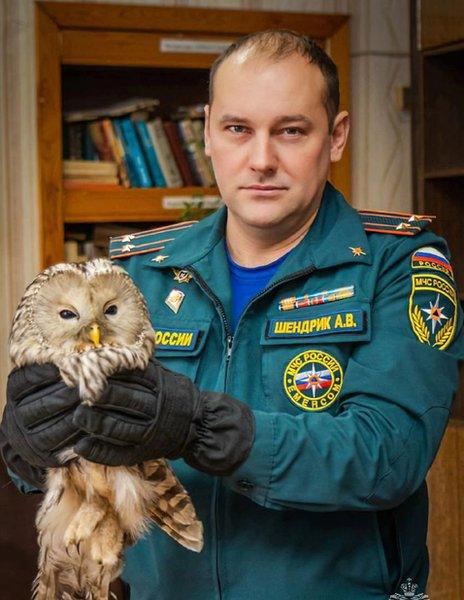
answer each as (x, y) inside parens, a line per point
(268, 138)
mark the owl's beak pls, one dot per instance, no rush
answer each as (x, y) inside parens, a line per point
(94, 334)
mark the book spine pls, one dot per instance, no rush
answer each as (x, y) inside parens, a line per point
(134, 151)
(189, 150)
(165, 155)
(89, 152)
(159, 153)
(205, 164)
(99, 141)
(87, 168)
(190, 145)
(74, 141)
(150, 154)
(186, 131)
(131, 171)
(176, 147)
(117, 150)
(200, 164)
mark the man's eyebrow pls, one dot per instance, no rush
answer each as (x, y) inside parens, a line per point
(278, 121)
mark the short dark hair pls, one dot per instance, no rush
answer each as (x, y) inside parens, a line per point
(278, 44)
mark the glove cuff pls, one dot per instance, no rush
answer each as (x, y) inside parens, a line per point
(221, 434)
(34, 476)
(178, 402)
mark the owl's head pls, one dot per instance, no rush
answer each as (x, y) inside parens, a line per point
(71, 307)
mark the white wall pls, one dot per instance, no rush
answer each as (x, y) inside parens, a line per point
(381, 169)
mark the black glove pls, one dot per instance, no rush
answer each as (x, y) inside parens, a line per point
(34, 476)
(156, 413)
(37, 421)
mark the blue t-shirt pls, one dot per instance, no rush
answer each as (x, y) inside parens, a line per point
(247, 283)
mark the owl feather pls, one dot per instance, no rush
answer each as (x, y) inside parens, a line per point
(91, 512)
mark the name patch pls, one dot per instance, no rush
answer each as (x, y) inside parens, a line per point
(335, 322)
(176, 339)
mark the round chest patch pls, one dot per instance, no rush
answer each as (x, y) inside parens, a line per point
(313, 380)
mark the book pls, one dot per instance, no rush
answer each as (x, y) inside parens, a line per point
(73, 140)
(89, 151)
(116, 109)
(201, 166)
(186, 131)
(117, 150)
(195, 152)
(164, 153)
(198, 126)
(100, 141)
(134, 155)
(179, 155)
(189, 152)
(84, 168)
(133, 175)
(150, 153)
(71, 251)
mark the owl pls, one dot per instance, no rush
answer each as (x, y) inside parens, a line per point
(91, 321)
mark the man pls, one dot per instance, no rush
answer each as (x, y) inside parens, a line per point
(329, 343)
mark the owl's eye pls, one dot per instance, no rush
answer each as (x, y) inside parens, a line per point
(67, 314)
(111, 310)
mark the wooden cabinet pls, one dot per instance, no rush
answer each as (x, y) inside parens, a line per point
(438, 142)
(442, 22)
(87, 51)
(438, 128)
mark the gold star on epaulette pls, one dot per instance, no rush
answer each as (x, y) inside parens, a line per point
(403, 226)
(127, 248)
(159, 258)
(357, 251)
(128, 238)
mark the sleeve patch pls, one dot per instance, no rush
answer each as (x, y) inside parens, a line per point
(433, 310)
(429, 258)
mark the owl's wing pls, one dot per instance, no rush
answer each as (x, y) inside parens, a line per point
(172, 509)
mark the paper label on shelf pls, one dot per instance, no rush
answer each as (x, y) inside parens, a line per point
(183, 46)
(180, 202)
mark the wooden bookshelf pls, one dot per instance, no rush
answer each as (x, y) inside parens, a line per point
(125, 205)
(85, 51)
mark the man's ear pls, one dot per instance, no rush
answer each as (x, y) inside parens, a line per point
(206, 131)
(339, 135)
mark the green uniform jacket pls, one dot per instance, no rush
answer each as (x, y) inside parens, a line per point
(350, 396)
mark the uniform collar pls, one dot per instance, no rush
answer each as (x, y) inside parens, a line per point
(333, 239)
(337, 235)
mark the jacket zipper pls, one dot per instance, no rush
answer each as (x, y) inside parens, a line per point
(229, 338)
(222, 313)
(229, 344)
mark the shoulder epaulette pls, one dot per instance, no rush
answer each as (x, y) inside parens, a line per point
(144, 242)
(397, 223)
